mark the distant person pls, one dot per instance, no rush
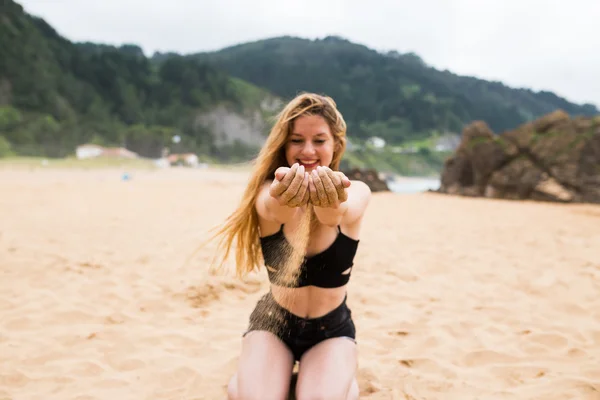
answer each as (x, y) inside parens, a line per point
(305, 319)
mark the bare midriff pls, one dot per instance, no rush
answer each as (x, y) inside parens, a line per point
(309, 301)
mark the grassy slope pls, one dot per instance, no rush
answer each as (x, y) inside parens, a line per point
(415, 164)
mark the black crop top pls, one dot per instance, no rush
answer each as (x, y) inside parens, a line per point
(325, 269)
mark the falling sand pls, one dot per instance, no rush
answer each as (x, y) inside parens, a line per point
(291, 256)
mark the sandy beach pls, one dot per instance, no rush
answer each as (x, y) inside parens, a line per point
(453, 298)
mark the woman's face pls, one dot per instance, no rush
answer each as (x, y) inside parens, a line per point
(310, 143)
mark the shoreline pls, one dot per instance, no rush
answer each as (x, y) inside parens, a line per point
(396, 183)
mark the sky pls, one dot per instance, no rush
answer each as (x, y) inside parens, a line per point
(549, 45)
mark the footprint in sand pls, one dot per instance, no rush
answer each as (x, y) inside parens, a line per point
(88, 369)
(202, 295)
(575, 310)
(209, 292)
(481, 358)
(7, 304)
(177, 377)
(115, 318)
(398, 333)
(588, 213)
(519, 373)
(247, 287)
(14, 379)
(19, 324)
(368, 382)
(595, 336)
(534, 344)
(552, 341)
(401, 329)
(570, 388)
(577, 353)
(119, 361)
(90, 265)
(129, 364)
(83, 267)
(75, 316)
(155, 306)
(429, 366)
(111, 383)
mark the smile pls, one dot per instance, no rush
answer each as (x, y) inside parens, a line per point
(309, 163)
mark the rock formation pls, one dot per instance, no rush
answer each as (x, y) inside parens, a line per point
(554, 158)
(368, 176)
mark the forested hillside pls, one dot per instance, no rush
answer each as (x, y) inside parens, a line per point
(55, 94)
(395, 96)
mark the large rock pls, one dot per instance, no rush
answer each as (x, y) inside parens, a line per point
(554, 158)
(368, 176)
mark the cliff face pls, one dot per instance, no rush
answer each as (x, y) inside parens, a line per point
(228, 126)
(554, 158)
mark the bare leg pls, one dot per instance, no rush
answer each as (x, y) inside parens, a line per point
(264, 370)
(354, 391)
(328, 371)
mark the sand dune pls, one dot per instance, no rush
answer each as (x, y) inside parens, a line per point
(453, 298)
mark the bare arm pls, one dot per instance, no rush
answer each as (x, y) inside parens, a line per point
(359, 197)
(335, 198)
(269, 208)
(278, 199)
(351, 210)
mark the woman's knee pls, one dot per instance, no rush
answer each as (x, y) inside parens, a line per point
(232, 393)
(332, 391)
(320, 396)
(354, 391)
(246, 391)
(253, 387)
(323, 395)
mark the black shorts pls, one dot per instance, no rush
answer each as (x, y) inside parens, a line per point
(300, 334)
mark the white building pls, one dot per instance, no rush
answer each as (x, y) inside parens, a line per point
(88, 151)
(376, 142)
(188, 159)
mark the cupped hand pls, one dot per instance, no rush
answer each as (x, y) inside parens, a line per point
(327, 188)
(290, 186)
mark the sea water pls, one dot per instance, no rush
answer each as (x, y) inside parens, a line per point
(413, 185)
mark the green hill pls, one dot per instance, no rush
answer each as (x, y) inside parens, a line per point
(391, 95)
(55, 94)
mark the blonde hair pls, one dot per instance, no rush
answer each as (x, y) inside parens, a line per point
(242, 225)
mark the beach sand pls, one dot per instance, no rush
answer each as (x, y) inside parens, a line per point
(453, 298)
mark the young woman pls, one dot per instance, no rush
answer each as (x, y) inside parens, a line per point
(304, 319)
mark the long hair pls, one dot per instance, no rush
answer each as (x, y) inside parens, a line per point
(242, 226)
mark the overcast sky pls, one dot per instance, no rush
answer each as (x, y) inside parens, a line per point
(539, 44)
